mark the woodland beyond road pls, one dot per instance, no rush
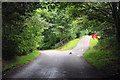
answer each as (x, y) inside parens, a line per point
(59, 64)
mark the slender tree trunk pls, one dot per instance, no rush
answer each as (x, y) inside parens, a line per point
(116, 16)
(54, 39)
(61, 31)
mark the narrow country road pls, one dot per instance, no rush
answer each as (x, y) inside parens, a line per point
(59, 64)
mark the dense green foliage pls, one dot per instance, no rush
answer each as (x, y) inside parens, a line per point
(29, 25)
(30, 28)
(15, 34)
(104, 55)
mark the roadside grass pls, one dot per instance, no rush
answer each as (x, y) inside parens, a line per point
(103, 60)
(19, 61)
(71, 44)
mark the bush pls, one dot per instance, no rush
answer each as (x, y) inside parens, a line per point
(9, 49)
(106, 43)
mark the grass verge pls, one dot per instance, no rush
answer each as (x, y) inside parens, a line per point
(71, 44)
(103, 60)
(19, 61)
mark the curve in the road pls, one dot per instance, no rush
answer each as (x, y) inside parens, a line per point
(59, 64)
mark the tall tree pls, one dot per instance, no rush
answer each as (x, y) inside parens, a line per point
(116, 15)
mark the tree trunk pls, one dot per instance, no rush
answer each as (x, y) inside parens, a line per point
(54, 39)
(61, 34)
(116, 16)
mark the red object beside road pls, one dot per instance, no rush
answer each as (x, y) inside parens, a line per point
(94, 36)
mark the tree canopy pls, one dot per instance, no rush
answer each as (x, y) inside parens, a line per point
(44, 25)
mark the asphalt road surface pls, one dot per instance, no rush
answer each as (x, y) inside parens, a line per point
(59, 64)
